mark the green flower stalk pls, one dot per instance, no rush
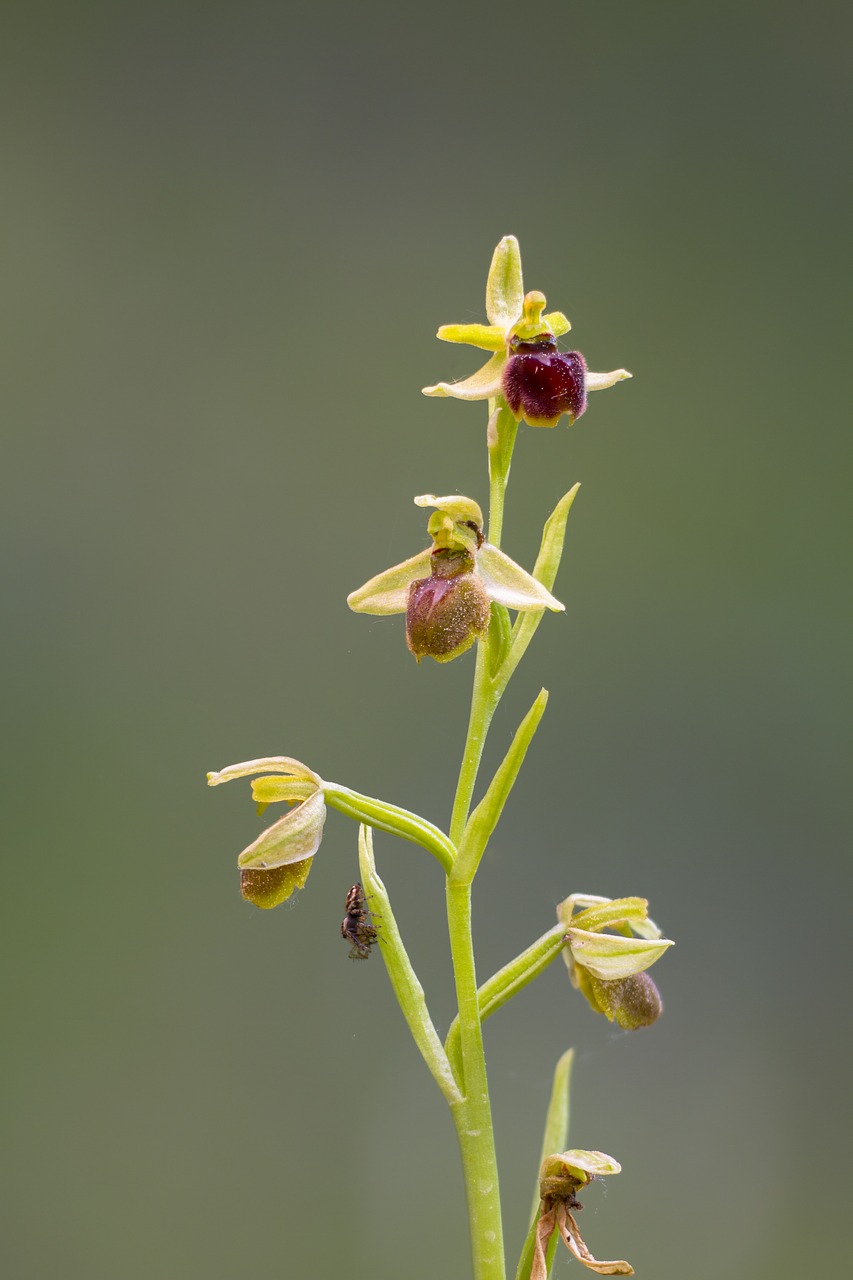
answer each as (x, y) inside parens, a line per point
(457, 594)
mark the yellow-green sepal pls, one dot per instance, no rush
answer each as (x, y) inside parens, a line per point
(293, 838)
(610, 956)
(582, 1166)
(485, 384)
(505, 284)
(388, 592)
(266, 764)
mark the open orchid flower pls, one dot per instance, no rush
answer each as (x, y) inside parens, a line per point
(538, 382)
(277, 864)
(609, 968)
(446, 590)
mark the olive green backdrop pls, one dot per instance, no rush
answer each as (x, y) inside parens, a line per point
(230, 232)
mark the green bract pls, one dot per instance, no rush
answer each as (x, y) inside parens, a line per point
(514, 317)
(505, 581)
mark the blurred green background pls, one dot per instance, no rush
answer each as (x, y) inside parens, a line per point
(230, 232)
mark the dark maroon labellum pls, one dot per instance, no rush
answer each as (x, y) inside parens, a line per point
(447, 611)
(541, 383)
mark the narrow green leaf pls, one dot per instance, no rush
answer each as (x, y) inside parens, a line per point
(545, 571)
(556, 1134)
(553, 537)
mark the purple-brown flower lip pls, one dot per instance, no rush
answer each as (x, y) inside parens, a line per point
(449, 610)
(540, 383)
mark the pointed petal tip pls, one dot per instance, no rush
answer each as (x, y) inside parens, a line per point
(598, 381)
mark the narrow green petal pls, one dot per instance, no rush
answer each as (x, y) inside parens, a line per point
(598, 381)
(619, 911)
(388, 592)
(557, 323)
(488, 337)
(610, 956)
(505, 287)
(510, 585)
(275, 790)
(293, 838)
(482, 385)
(267, 764)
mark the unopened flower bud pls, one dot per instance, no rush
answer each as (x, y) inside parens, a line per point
(447, 611)
(540, 383)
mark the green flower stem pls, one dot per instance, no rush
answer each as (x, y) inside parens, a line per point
(388, 817)
(554, 1139)
(472, 1116)
(404, 980)
(509, 980)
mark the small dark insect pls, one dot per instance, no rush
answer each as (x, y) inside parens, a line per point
(355, 926)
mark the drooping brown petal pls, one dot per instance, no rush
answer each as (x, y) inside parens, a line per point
(574, 1242)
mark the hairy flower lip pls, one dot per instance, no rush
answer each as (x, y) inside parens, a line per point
(540, 384)
(449, 610)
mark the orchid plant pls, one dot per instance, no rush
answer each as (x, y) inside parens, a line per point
(457, 593)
